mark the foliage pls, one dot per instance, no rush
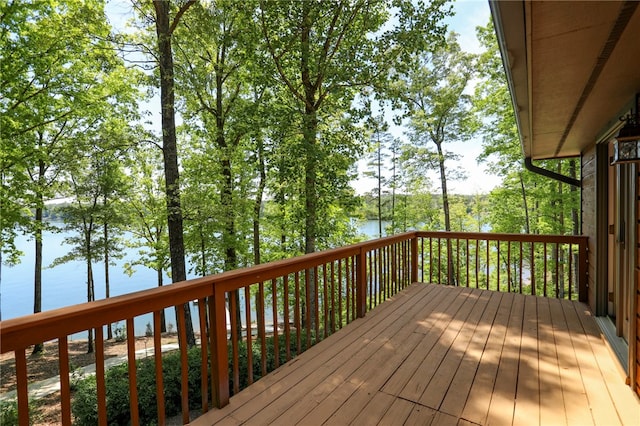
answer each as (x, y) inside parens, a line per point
(85, 406)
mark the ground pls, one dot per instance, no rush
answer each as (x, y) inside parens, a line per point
(40, 367)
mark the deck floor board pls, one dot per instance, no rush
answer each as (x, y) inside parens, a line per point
(447, 355)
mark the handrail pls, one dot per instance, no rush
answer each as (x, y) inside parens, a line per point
(65, 321)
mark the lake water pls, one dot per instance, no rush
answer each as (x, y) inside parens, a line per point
(65, 284)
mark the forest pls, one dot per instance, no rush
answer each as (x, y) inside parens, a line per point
(266, 106)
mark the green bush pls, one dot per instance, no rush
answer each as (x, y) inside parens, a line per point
(9, 412)
(85, 406)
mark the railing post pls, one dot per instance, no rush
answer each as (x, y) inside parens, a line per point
(361, 283)
(414, 259)
(219, 353)
(583, 279)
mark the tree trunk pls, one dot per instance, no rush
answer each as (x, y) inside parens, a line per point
(379, 189)
(38, 348)
(107, 288)
(90, 292)
(257, 204)
(527, 227)
(447, 217)
(163, 322)
(170, 153)
(309, 134)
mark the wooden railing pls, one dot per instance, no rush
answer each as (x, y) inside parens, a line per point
(253, 320)
(541, 265)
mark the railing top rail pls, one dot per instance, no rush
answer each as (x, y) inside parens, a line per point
(23, 331)
(526, 238)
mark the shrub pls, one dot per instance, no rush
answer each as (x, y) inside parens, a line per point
(85, 406)
(9, 412)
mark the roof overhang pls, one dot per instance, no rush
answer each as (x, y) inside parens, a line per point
(573, 69)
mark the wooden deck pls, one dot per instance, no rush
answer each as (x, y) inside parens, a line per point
(446, 355)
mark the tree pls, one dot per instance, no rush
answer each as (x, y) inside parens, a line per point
(379, 140)
(94, 178)
(165, 27)
(432, 95)
(53, 88)
(148, 215)
(325, 52)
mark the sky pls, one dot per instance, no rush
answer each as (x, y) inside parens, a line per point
(468, 15)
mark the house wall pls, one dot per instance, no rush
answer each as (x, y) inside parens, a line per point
(589, 222)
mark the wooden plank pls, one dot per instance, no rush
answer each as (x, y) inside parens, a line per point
(479, 399)
(575, 399)
(454, 400)
(407, 370)
(527, 404)
(421, 416)
(341, 363)
(369, 379)
(269, 387)
(375, 410)
(551, 398)
(371, 367)
(444, 419)
(504, 391)
(447, 331)
(398, 413)
(602, 409)
(435, 392)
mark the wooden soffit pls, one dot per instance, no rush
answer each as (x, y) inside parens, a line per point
(573, 68)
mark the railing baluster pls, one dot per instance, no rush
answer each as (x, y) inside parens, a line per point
(570, 271)
(348, 290)
(534, 290)
(204, 356)
(430, 260)
(477, 263)
(488, 262)
(287, 325)
(333, 298)
(316, 304)
(339, 293)
(557, 266)
(65, 388)
(22, 387)
(218, 342)
(262, 330)
(276, 342)
(233, 320)
(247, 313)
(498, 265)
(509, 268)
(297, 319)
(101, 392)
(521, 256)
(133, 381)
(157, 355)
(544, 271)
(325, 300)
(467, 260)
